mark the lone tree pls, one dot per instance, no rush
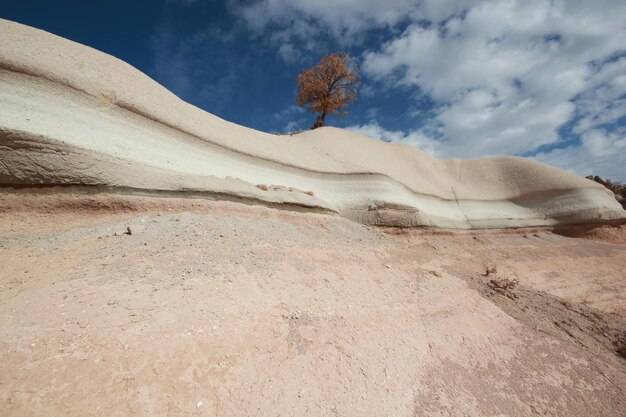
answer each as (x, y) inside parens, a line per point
(328, 87)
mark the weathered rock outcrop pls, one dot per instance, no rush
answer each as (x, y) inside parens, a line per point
(71, 115)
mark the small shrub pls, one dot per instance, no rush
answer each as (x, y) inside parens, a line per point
(618, 189)
(490, 270)
(621, 348)
(503, 284)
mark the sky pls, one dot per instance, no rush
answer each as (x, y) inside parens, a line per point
(544, 79)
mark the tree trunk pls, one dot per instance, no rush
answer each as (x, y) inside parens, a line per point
(320, 122)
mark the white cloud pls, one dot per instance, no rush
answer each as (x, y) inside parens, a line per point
(295, 126)
(505, 72)
(293, 115)
(288, 53)
(415, 138)
(598, 154)
(372, 112)
(344, 19)
(604, 101)
(289, 112)
(367, 91)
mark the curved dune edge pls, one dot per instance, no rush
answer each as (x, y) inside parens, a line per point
(70, 115)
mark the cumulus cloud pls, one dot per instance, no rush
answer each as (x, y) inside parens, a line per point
(295, 126)
(598, 153)
(415, 138)
(288, 53)
(343, 19)
(372, 112)
(604, 101)
(293, 116)
(289, 112)
(505, 74)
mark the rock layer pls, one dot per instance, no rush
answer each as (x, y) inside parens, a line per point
(71, 115)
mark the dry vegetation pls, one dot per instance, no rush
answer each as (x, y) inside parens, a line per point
(617, 187)
(328, 87)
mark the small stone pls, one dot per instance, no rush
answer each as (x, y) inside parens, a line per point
(199, 404)
(436, 273)
(388, 266)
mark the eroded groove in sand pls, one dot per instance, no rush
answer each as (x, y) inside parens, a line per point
(601, 334)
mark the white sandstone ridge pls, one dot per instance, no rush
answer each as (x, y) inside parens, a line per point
(71, 115)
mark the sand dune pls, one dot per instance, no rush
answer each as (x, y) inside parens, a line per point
(71, 115)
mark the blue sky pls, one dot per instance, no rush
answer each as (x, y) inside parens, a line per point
(539, 78)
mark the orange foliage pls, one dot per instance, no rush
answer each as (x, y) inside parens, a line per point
(328, 87)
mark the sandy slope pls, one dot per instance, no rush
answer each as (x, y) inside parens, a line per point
(219, 308)
(72, 115)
